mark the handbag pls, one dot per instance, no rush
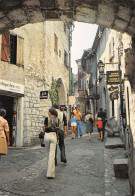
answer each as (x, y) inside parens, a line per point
(91, 120)
(41, 137)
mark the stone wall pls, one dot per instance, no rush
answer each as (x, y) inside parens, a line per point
(120, 14)
(41, 63)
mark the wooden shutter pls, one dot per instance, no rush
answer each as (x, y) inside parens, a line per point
(20, 43)
(5, 46)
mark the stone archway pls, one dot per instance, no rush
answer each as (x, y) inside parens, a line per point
(118, 15)
(61, 92)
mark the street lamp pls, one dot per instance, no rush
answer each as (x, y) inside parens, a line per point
(101, 66)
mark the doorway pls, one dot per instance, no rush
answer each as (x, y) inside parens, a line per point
(7, 104)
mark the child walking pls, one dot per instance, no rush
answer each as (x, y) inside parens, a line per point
(100, 128)
(73, 124)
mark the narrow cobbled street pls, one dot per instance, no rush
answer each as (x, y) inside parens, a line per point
(23, 171)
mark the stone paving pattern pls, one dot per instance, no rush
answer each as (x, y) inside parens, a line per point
(88, 172)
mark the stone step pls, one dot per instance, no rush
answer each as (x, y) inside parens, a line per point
(114, 142)
(112, 132)
(121, 168)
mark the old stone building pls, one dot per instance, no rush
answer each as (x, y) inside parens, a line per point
(114, 53)
(33, 57)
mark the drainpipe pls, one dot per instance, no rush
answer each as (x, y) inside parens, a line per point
(70, 44)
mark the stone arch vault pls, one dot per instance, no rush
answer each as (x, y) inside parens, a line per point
(115, 14)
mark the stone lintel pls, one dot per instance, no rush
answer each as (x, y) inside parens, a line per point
(31, 3)
(124, 13)
(106, 15)
(85, 15)
(120, 25)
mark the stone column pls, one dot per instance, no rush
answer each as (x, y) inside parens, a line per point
(20, 113)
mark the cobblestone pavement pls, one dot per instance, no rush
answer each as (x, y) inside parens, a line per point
(23, 171)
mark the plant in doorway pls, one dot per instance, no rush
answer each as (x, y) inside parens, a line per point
(53, 92)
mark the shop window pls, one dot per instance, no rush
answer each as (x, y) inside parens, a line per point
(12, 48)
(65, 58)
(55, 43)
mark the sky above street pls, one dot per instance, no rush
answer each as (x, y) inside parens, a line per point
(82, 39)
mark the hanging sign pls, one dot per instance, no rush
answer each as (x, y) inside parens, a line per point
(114, 95)
(43, 94)
(113, 90)
(113, 77)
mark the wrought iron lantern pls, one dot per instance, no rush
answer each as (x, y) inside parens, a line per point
(101, 66)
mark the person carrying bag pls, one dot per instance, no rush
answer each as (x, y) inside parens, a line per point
(50, 127)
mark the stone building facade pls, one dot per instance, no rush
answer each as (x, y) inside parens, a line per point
(41, 55)
(116, 51)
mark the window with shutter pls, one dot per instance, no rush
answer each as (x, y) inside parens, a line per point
(65, 58)
(55, 43)
(5, 46)
(13, 49)
(20, 43)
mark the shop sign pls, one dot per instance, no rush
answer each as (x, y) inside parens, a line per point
(113, 77)
(114, 95)
(43, 94)
(71, 100)
(113, 90)
(11, 87)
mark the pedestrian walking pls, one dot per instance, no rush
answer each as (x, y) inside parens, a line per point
(99, 124)
(64, 122)
(4, 133)
(74, 110)
(89, 119)
(51, 124)
(79, 117)
(60, 133)
(73, 124)
(102, 115)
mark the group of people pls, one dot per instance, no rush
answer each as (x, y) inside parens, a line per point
(76, 118)
(55, 129)
(100, 122)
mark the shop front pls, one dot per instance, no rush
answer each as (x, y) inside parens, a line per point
(11, 99)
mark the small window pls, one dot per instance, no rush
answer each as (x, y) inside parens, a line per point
(65, 28)
(13, 49)
(55, 43)
(111, 49)
(65, 58)
(59, 53)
